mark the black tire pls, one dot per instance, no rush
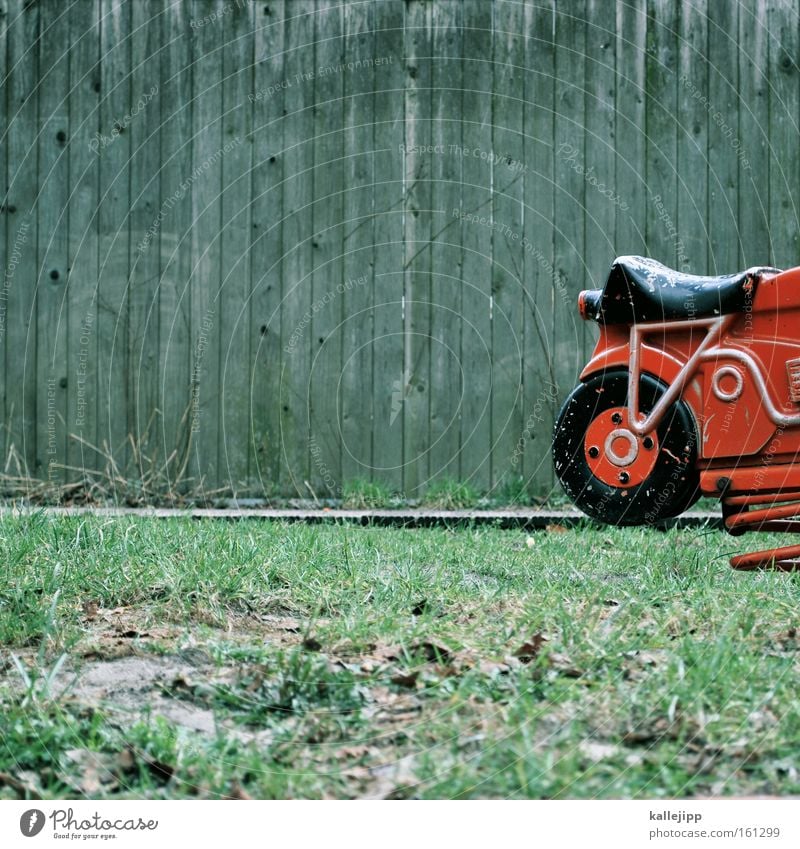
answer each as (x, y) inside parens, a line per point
(672, 486)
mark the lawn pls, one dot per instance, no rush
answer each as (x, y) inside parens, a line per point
(180, 658)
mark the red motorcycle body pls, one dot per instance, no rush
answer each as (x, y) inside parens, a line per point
(744, 389)
(692, 389)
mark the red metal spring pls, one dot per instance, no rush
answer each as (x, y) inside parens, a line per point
(777, 511)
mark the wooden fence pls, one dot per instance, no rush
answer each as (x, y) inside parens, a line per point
(274, 246)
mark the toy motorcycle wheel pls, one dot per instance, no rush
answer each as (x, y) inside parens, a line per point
(611, 473)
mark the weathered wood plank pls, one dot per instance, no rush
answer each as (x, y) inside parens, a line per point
(325, 473)
(602, 198)
(630, 133)
(722, 104)
(531, 458)
(357, 423)
(506, 159)
(569, 343)
(208, 150)
(389, 387)
(448, 381)
(52, 254)
(235, 326)
(476, 245)
(753, 177)
(6, 226)
(265, 458)
(175, 212)
(143, 123)
(114, 205)
(84, 169)
(21, 269)
(663, 238)
(298, 236)
(692, 140)
(783, 75)
(415, 377)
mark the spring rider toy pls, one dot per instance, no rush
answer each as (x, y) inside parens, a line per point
(693, 389)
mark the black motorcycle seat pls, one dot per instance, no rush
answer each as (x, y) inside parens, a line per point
(640, 289)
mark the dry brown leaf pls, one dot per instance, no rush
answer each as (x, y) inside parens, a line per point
(530, 649)
(493, 667)
(24, 788)
(95, 770)
(353, 752)
(433, 650)
(406, 679)
(238, 792)
(556, 529)
(563, 665)
(90, 609)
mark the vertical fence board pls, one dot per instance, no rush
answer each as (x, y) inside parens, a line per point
(113, 222)
(174, 297)
(602, 198)
(506, 157)
(327, 228)
(52, 255)
(358, 187)
(265, 454)
(532, 451)
(630, 132)
(662, 237)
(753, 178)
(82, 364)
(142, 122)
(6, 227)
(237, 73)
(722, 103)
(21, 237)
(783, 78)
(417, 265)
(298, 135)
(207, 153)
(692, 150)
(476, 246)
(570, 194)
(448, 382)
(389, 387)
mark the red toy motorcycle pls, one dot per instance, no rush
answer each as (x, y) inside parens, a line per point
(693, 389)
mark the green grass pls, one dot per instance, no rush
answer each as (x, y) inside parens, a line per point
(450, 495)
(340, 661)
(363, 495)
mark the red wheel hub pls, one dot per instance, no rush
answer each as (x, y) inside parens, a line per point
(615, 454)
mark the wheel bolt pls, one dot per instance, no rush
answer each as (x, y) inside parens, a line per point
(616, 418)
(594, 452)
(624, 477)
(647, 442)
